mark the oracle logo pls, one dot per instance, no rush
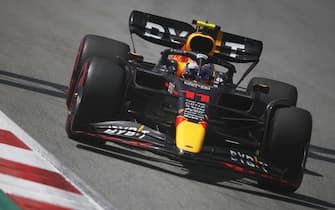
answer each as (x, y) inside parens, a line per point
(127, 131)
(248, 160)
(156, 31)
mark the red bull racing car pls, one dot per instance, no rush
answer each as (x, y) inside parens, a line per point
(187, 105)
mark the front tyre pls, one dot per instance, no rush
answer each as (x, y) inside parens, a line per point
(287, 147)
(95, 46)
(98, 94)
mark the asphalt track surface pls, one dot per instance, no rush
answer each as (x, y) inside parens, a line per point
(38, 44)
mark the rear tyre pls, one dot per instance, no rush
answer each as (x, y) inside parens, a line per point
(287, 147)
(98, 94)
(95, 46)
(277, 90)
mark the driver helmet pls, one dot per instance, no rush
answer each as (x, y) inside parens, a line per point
(205, 73)
(189, 69)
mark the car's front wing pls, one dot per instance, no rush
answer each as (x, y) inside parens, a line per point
(137, 135)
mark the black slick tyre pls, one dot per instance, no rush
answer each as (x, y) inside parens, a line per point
(95, 46)
(286, 147)
(98, 94)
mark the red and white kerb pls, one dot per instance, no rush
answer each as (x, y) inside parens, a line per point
(32, 182)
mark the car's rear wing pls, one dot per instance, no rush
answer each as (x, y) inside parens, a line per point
(238, 49)
(174, 33)
(159, 30)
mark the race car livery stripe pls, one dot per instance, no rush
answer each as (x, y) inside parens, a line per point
(29, 204)
(118, 140)
(129, 142)
(80, 82)
(9, 138)
(256, 161)
(218, 42)
(251, 172)
(83, 74)
(75, 66)
(239, 169)
(35, 174)
(139, 130)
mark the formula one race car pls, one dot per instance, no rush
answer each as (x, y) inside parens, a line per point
(187, 106)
